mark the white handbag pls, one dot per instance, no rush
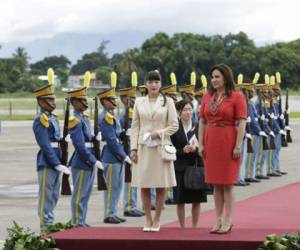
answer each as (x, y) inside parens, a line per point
(168, 152)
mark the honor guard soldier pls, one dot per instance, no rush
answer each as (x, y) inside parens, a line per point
(49, 167)
(170, 90)
(142, 90)
(273, 169)
(261, 107)
(127, 96)
(199, 92)
(83, 161)
(113, 154)
(256, 133)
(187, 93)
(280, 139)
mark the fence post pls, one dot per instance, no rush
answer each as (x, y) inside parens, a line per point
(10, 109)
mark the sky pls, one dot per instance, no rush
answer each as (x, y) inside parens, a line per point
(262, 20)
(76, 27)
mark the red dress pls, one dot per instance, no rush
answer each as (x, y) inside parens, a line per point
(220, 137)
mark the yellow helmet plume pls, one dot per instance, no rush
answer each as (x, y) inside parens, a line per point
(193, 78)
(113, 79)
(87, 79)
(256, 77)
(134, 79)
(173, 78)
(278, 77)
(50, 74)
(240, 79)
(272, 80)
(267, 79)
(203, 81)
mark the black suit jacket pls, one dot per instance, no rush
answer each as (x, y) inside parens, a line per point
(179, 140)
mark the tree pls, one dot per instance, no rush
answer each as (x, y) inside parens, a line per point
(92, 60)
(54, 62)
(22, 56)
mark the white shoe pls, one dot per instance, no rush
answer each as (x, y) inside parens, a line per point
(155, 229)
(147, 229)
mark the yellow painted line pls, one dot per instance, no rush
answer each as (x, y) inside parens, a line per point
(78, 196)
(44, 178)
(109, 191)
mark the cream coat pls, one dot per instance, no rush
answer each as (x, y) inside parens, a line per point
(152, 171)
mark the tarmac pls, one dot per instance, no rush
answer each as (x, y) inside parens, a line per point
(18, 182)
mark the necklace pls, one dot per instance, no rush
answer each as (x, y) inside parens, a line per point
(215, 104)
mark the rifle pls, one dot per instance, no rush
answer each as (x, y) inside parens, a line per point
(281, 124)
(272, 139)
(287, 118)
(101, 183)
(65, 186)
(126, 148)
(249, 141)
(264, 139)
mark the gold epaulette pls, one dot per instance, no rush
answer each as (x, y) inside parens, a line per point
(44, 120)
(109, 118)
(73, 121)
(130, 113)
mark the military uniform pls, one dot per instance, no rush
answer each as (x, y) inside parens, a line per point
(47, 134)
(113, 157)
(251, 159)
(130, 193)
(82, 162)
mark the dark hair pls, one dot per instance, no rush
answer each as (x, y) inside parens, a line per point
(181, 104)
(228, 78)
(154, 75)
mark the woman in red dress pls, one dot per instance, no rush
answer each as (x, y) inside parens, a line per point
(222, 124)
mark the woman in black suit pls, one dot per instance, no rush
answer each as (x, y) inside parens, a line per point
(186, 143)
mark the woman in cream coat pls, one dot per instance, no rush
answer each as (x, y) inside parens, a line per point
(154, 119)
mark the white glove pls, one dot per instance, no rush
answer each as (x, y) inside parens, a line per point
(272, 116)
(262, 133)
(127, 159)
(128, 132)
(148, 140)
(248, 119)
(272, 134)
(282, 132)
(99, 165)
(288, 128)
(281, 116)
(267, 120)
(262, 117)
(248, 136)
(256, 119)
(63, 169)
(99, 136)
(68, 138)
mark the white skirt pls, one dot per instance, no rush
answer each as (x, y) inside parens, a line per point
(151, 171)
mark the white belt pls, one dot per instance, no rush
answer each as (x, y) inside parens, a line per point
(54, 144)
(89, 145)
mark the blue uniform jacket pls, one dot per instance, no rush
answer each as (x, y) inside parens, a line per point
(254, 124)
(83, 157)
(276, 126)
(46, 130)
(265, 125)
(113, 151)
(122, 123)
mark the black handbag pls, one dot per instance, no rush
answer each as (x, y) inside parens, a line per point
(194, 178)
